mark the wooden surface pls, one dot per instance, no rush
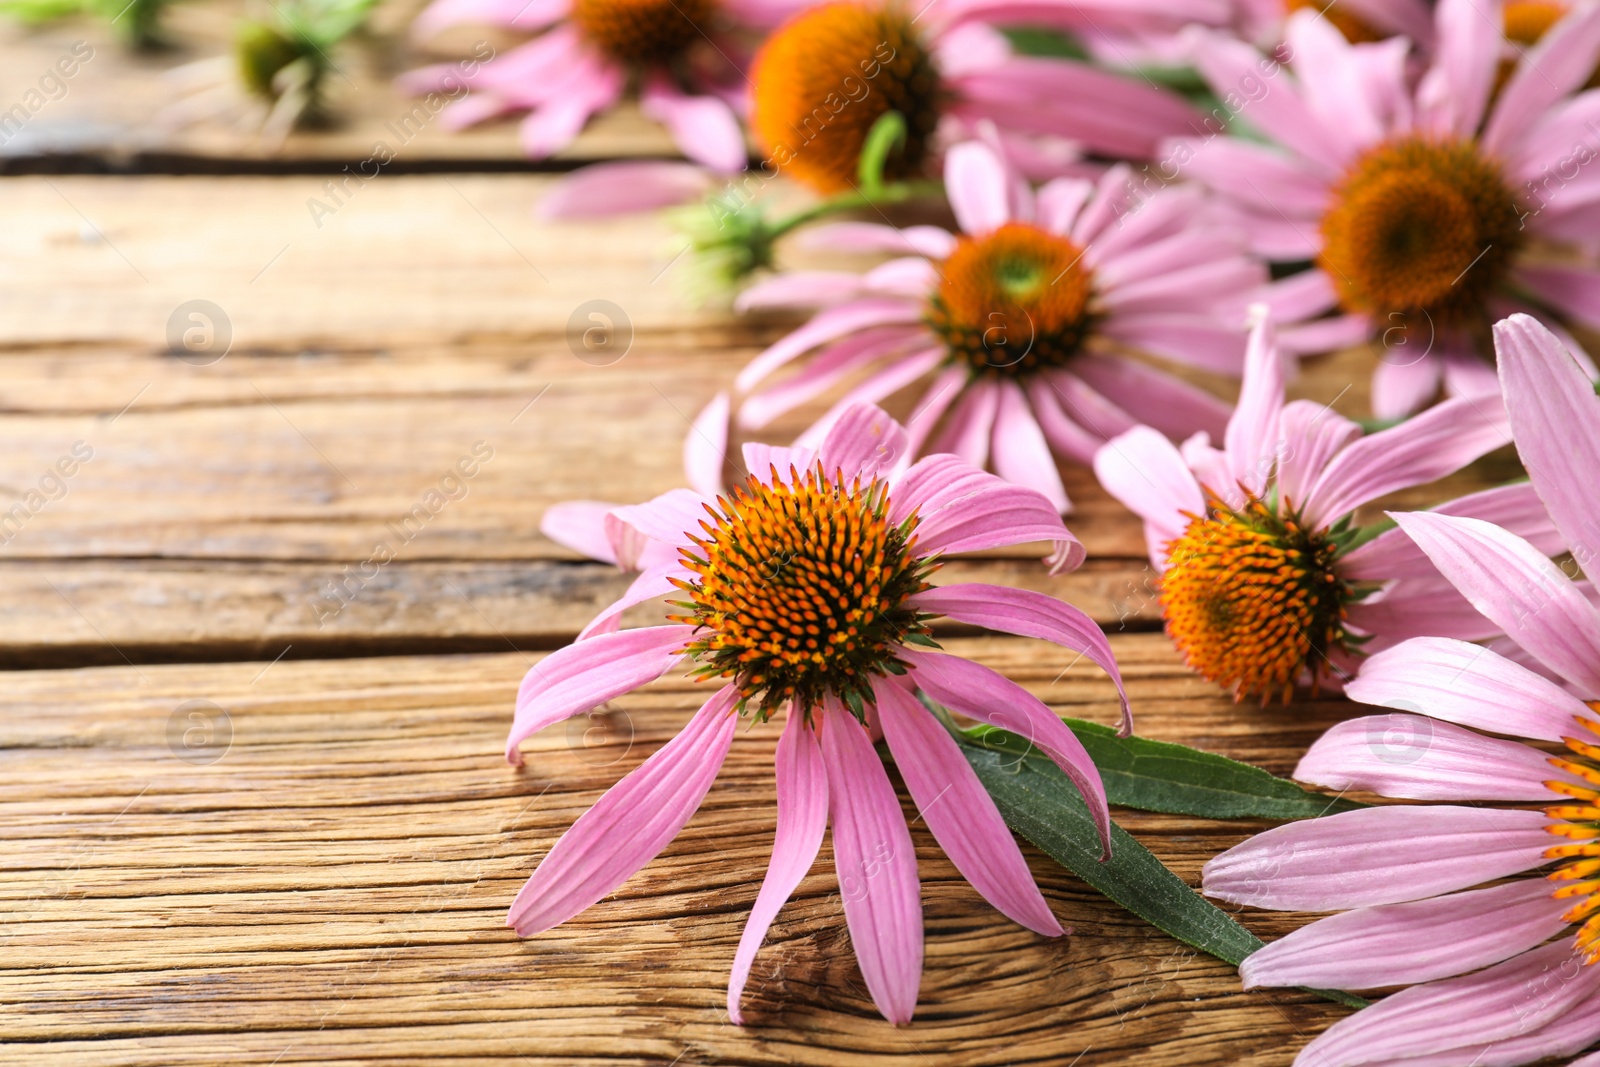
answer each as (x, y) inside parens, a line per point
(329, 885)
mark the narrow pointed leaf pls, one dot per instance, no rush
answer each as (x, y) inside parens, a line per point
(1179, 780)
(1038, 802)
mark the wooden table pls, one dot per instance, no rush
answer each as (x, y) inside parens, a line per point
(242, 827)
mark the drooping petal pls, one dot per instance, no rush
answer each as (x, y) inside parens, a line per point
(1422, 449)
(1413, 757)
(1377, 856)
(825, 326)
(586, 674)
(1502, 1002)
(974, 690)
(958, 810)
(963, 509)
(1529, 597)
(1403, 384)
(1404, 944)
(630, 824)
(1555, 417)
(1463, 683)
(1514, 507)
(652, 582)
(1027, 614)
(1019, 450)
(877, 866)
(802, 818)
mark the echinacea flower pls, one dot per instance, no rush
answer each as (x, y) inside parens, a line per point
(1504, 973)
(684, 56)
(825, 77)
(1017, 326)
(1265, 580)
(1429, 212)
(804, 595)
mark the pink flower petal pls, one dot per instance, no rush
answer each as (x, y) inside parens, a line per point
(601, 190)
(1558, 65)
(581, 526)
(928, 241)
(1420, 450)
(705, 448)
(1404, 384)
(978, 187)
(1405, 944)
(864, 441)
(1573, 291)
(1281, 113)
(968, 430)
(1065, 435)
(1452, 95)
(1142, 469)
(1253, 443)
(1508, 581)
(1028, 614)
(586, 674)
(887, 380)
(704, 127)
(1312, 435)
(977, 692)
(946, 386)
(1059, 203)
(827, 326)
(1377, 856)
(877, 866)
(1154, 397)
(1412, 757)
(1020, 452)
(963, 509)
(959, 811)
(802, 818)
(668, 518)
(1555, 417)
(1202, 341)
(630, 824)
(1516, 508)
(1506, 1001)
(652, 582)
(1467, 684)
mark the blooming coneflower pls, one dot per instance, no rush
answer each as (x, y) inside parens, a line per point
(804, 594)
(680, 53)
(1017, 326)
(1421, 207)
(823, 79)
(1266, 582)
(1500, 975)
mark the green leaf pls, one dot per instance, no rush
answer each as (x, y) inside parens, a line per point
(886, 136)
(1038, 802)
(1176, 779)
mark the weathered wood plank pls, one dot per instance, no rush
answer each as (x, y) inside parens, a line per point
(332, 886)
(78, 613)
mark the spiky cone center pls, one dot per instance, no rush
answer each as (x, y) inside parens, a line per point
(825, 77)
(1352, 27)
(1253, 600)
(640, 33)
(1421, 233)
(1576, 876)
(801, 590)
(1013, 301)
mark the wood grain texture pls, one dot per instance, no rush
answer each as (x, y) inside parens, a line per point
(332, 887)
